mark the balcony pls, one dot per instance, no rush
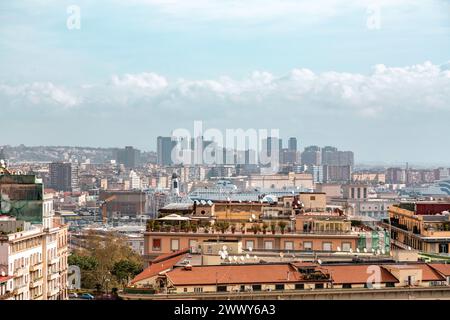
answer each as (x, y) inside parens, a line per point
(53, 261)
(53, 275)
(20, 271)
(436, 233)
(7, 295)
(36, 266)
(52, 292)
(36, 282)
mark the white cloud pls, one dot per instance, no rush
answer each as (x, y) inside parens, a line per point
(150, 81)
(38, 93)
(386, 91)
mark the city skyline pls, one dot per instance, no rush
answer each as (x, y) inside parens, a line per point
(319, 72)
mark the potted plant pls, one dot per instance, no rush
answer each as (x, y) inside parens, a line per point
(282, 226)
(243, 227)
(233, 228)
(150, 225)
(157, 226)
(194, 228)
(255, 228)
(273, 227)
(264, 227)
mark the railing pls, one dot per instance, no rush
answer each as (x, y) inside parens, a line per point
(6, 295)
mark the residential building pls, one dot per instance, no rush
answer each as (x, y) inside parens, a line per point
(33, 245)
(60, 176)
(424, 226)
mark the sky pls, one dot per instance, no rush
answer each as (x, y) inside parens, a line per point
(368, 76)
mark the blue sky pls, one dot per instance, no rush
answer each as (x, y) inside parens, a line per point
(313, 69)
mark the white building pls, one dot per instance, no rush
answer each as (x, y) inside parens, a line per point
(32, 256)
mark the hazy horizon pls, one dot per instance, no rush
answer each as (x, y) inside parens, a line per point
(317, 70)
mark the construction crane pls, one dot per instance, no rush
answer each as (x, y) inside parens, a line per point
(103, 206)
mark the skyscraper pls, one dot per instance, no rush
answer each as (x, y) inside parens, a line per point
(164, 150)
(129, 157)
(311, 156)
(292, 145)
(60, 176)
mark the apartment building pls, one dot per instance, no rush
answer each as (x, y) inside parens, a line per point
(33, 246)
(424, 226)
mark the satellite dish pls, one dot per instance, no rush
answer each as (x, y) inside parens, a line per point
(242, 258)
(230, 259)
(253, 216)
(235, 258)
(220, 252)
(281, 254)
(247, 256)
(250, 249)
(357, 250)
(319, 261)
(224, 248)
(409, 248)
(365, 250)
(338, 248)
(255, 257)
(351, 250)
(383, 251)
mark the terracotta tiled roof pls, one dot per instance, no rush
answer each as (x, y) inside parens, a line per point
(162, 263)
(356, 274)
(169, 255)
(5, 278)
(442, 268)
(234, 274)
(430, 274)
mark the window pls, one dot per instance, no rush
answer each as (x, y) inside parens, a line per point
(249, 244)
(256, 287)
(307, 245)
(193, 245)
(326, 246)
(198, 289)
(279, 287)
(288, 245)
(312, 198)
(242, 288)
(203, 212)
(346, 246)
(299, 286)
(347, 286)
(390, 285)
(221, 288)
(268, 245)
(318, 286)
(156, 244)
(185, 289)
(174, 244)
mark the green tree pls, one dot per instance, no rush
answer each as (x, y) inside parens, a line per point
(124, 270)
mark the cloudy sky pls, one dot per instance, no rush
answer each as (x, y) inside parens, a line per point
(328, 72)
